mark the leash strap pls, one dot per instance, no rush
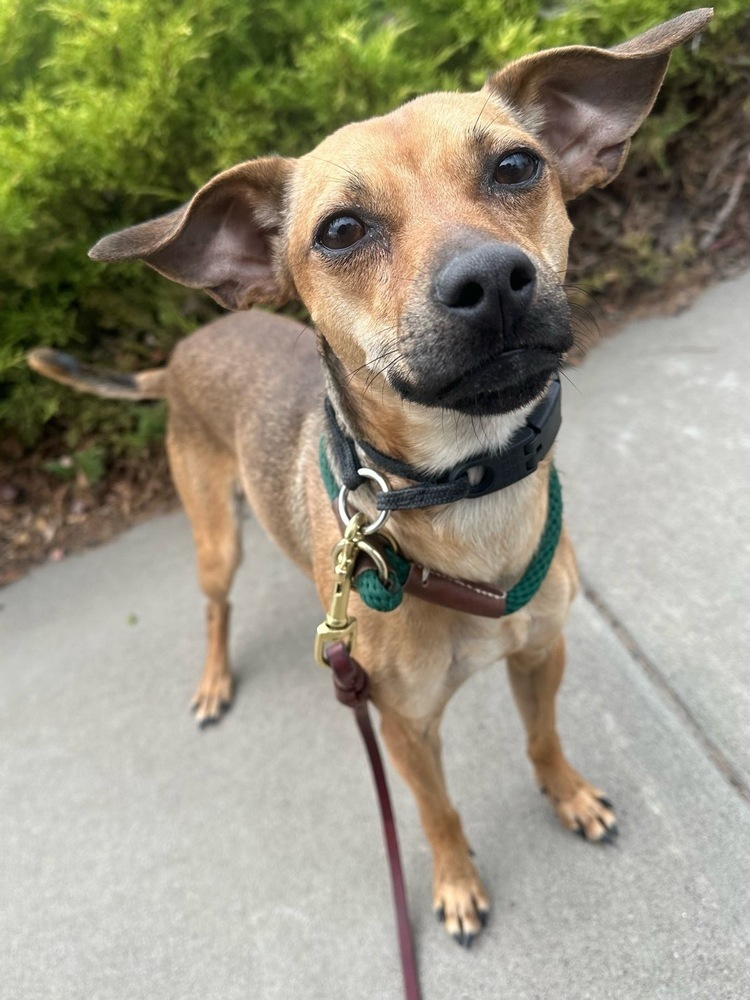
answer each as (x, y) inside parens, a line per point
(351, 685)
(526, 449)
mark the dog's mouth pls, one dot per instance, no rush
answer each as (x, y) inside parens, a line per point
(500, 383)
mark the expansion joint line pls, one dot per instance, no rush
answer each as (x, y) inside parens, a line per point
(636, 652)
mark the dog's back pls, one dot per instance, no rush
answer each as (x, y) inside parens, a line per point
(247, 373)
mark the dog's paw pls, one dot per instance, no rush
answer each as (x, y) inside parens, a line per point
(589, 813)
(212, 699)
(461, 903)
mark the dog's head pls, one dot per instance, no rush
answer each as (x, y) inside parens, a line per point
(429, 245)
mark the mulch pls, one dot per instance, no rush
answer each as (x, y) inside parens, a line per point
(43, 519)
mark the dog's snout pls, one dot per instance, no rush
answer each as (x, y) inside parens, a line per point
(490, 285)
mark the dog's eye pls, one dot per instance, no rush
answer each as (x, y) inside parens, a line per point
(517, 168)
(340, 232)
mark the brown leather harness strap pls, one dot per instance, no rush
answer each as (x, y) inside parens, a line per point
(351, 685)
(451, 592)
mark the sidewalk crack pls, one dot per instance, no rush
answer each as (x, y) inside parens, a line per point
(636, 652)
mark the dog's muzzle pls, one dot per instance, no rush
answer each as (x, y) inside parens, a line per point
(488, 335)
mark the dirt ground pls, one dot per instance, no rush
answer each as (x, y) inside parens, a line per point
(43, 519)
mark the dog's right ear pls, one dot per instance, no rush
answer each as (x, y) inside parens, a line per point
(225, 240)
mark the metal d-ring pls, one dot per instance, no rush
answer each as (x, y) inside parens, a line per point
(381, 564)
(382, 517)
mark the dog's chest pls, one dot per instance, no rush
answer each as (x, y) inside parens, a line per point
(484, 642)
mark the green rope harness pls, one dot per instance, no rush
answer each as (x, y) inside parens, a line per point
(532, 579)
(387, 597)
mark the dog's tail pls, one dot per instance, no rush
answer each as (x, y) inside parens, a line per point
(150, 384)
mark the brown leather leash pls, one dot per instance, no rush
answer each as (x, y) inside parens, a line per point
(351, 685)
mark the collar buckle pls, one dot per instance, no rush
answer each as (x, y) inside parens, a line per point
(526, 449)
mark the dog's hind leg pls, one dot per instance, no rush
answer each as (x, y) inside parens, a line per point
(535, 677)
(205, 475)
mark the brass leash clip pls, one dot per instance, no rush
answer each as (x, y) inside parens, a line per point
(338, 625)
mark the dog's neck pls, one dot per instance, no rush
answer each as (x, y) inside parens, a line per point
(491, 538)
(430, 439)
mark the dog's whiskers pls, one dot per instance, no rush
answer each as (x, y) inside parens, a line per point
(332, 163)
(369, 363)
(305, 328)
(476, 123)
(380, 371)
(565, 375)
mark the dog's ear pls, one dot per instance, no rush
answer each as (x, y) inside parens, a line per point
(585, 103)
(225, 240)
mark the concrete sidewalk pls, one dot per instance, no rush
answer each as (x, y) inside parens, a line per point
(140, 858)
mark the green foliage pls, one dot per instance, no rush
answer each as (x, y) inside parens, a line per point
(112, 111)
(89, 462)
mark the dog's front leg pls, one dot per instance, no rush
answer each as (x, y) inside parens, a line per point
(535, 676)
(459, 897)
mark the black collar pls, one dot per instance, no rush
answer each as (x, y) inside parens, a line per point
(526, 449)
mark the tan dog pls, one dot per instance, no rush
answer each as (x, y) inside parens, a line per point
(429, 247)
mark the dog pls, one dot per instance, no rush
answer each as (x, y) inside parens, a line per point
(429, 248)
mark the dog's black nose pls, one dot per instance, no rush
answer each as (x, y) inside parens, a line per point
(489, 286)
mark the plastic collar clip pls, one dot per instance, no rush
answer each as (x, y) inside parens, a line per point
(526, 449)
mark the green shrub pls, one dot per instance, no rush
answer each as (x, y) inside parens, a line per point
(112, 111)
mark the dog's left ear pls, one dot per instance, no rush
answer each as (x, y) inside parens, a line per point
(227, 239)
(586, 103)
